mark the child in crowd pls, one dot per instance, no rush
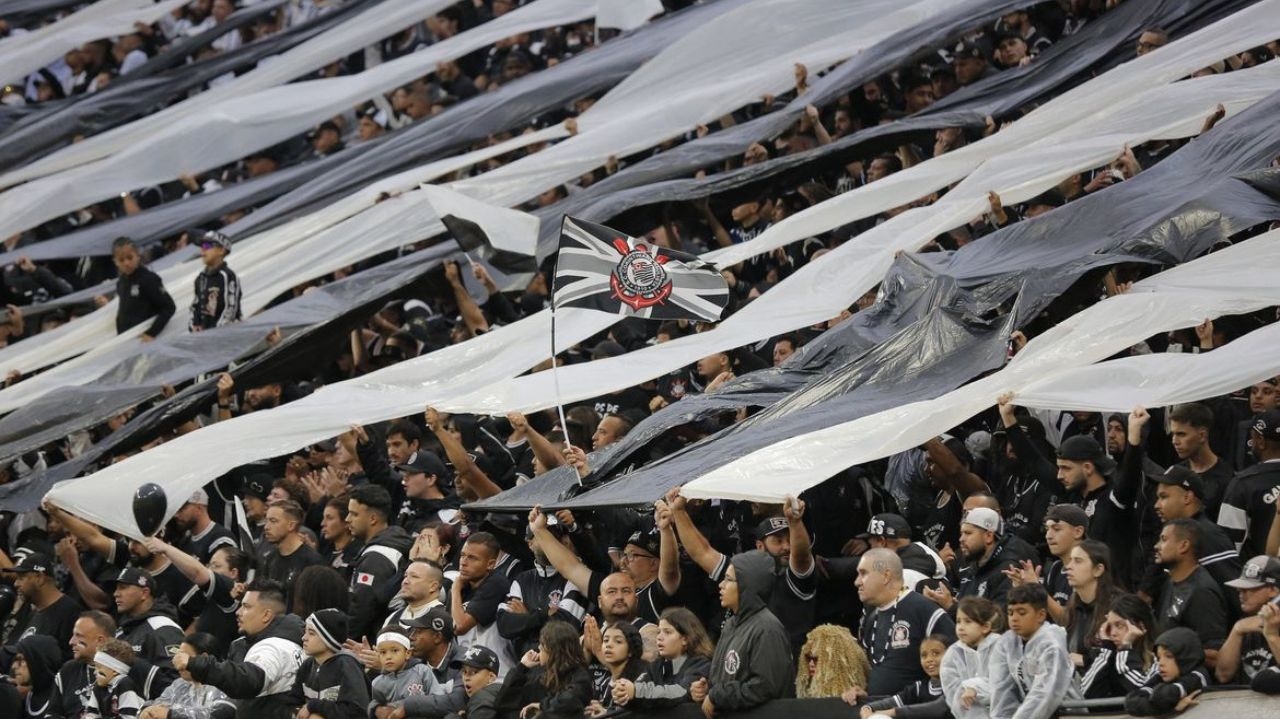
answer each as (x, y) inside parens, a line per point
(684, 656)
(114, 690)
(552, 681)
(621, 648)
(832, 664)
(34, 668)
(1123, 661)
(186, 698)
(923, 699)
(1179, 679)
(402, 675)
(479, 667)
(330, 682)
(964, 674)
(1031, 672)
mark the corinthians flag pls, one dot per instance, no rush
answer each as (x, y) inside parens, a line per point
(599, 268)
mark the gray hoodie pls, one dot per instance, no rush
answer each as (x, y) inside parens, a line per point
(752, 663)
(1030, 680)
(416, 679)
(964, 667)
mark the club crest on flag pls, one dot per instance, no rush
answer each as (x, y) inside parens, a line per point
(639, 280)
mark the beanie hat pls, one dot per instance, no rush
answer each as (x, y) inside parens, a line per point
(331, 626)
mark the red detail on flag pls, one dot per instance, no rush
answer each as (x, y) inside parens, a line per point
(364, 578)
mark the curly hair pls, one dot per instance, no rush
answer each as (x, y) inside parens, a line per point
(842, 663)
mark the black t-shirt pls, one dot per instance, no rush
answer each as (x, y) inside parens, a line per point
(941, 524)
(1216, 479)
(1255, 655)
(1197, 603)
(285, 569)
(1055, 582)
(170, 583)
(482, 602)
(219, 615)
(651, 599)
(203, 546)
(891, 637)
(1113, 522)
(57, 621)
(613, 403)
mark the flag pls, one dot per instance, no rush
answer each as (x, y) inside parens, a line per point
(626, 14)
(602, 269)
(505, 238)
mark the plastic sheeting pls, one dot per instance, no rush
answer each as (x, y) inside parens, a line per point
(249, 122)
(1232, 281)
(418, 382)
(23, 54)
(643, 121)
(153, 84)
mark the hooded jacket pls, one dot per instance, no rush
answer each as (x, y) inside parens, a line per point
(1031, 679)
(752, 663)
(259, 671)
(44, 658)
(964, 667)
(380, 560)
(1160, 697)
(448, 695)
(416, 679)
(666, 684)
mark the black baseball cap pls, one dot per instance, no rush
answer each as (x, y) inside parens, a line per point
(1180, 476)
(771, 526)
(425, 462)
(1072, 514)
(965, 49)
(1081, 448)
(134, 577)
(477, 657)
(437, 619)
(34, 562)
(889, 526)
(1267, 424)
(647, 541)
(257, 485)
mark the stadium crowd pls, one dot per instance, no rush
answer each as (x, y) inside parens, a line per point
(1024, 560)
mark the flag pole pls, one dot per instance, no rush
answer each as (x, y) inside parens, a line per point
(555, 367)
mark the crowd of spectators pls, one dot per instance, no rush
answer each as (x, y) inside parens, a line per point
(1023, 560)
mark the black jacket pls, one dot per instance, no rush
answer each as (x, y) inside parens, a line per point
(665, 685)
(217, 299)
(155, 638)
(752, 663)
(333, 690)
(1248, 507)
(43, 660)
(524, 686)
(380, 560)
(259, 671)
(30, 288)
(1159, 697)
(142, 296)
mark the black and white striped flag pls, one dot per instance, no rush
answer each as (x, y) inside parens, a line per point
(599, 268)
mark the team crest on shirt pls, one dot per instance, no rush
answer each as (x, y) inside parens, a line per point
(982, 589)
(900, 634)
(732, 662)
(414, 690)
(1090, 507)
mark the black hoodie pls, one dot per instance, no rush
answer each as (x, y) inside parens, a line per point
(44, 658)
(259, 671)
(1160, 697)
(752, 663)
(381, 559)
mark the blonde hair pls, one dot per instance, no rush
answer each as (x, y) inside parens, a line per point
(842, 663)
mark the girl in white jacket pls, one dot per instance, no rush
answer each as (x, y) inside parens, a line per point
(965, 685)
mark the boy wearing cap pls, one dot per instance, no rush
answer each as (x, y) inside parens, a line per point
(1254, 642)
(1249, 504)
(479, 668)
(402, 675)
(329, 683)
(217, 291)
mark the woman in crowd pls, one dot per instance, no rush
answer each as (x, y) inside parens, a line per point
(832, 664)
(684, 656)
(1088, 572)
(551, 681)
(1125, 655)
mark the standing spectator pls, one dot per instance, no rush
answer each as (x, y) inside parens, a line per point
(1190, 598)
(1249, 504)
(341, 547)
(53, 613)
(141, 292)
(1189, 428)
(292, 555)
(753, 661)
(1031, 673)
(386, 551)
(895, 620)
(261, 666)
(1254, 642)
(1178, 496)
(330, 683)
(983, 549)
(477, 593)
(217, 292)
(203, 535)
(433, 643)
(1084, 469)
(26, 283)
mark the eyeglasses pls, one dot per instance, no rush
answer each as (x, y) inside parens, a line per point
(632, 556)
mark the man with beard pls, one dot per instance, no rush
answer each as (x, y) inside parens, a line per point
(1026, 486)
(149, 628)
(982, 548)
(1254, 642)
(1191, 598)
(1248, 507)
(167, 582)
(75, 680)
(1083, 470)
(291, 555)
(386, 550)
(52, 612)
(539, 595)
(203, 535)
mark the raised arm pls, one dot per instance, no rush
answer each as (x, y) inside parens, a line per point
(87, 532)
(669, 549)
(543, 449)
(469, 474)
(190, 567)
(801, 547)
(559, 556)
(699, 549)
(467, 307)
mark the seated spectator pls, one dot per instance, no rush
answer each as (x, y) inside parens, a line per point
(684, 656)
(1179, 679)
(831, 664)
(1125, 652)
(553, 678)
(479, 667)
(403, 675)
(1254, 641)
(923, 698)
(1030, 673)
(329, 683)
(113, 690)
(187, 699)
(1190, 597)
(965, 670)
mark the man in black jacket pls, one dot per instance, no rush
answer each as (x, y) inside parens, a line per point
(1250, 500)
(385, 553)
(261, 666)
(141, 292)
(150, 628)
